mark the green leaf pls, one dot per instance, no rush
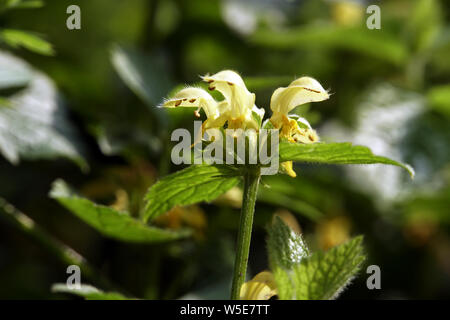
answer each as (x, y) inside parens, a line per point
(88, 292)
(286, 249)
(335, 153)
(194, 184)
(109, 222)
(324, 275)
(36, 124)
(371, 43)
(27, 40)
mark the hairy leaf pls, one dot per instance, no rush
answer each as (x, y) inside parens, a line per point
(194, 184)
(109, 222)
(324, 275)
(286, 249)
(335, 153)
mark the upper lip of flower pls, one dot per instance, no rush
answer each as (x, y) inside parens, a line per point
(236, 108)
(300, 91)
(232, 87)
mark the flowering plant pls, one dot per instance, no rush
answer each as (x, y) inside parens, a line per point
(297, 142)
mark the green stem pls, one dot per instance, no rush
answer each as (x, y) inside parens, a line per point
(251, 182)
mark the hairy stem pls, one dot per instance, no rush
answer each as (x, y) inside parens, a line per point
(251, 182)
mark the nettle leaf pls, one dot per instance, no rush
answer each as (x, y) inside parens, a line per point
(88, 292)
(286, 249)
(335, 153)
(109, 222)
(324, 275)
(35, 124)
(194, 184)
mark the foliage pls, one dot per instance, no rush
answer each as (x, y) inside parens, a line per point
(86, 99)
(304, 276)
(110, 222)
(334, 153)
(36, 108)
(188, 186)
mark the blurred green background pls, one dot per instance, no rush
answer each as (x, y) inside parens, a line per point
(88, 116)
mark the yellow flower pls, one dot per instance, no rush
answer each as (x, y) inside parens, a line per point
(236, 110)
(261, 287)
(294, 128)
(198, 98)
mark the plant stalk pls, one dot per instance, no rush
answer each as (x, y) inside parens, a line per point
(251, 183)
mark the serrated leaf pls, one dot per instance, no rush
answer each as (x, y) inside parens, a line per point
(335, 153)
(27, 40)
(36, 123)
(194, 184)
(88, 292)
(286, 249)
(109, 222)
(324, 275)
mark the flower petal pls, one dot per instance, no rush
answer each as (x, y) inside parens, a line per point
(261, 287)
(300, 91)
(233, 88)
(194, 98)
